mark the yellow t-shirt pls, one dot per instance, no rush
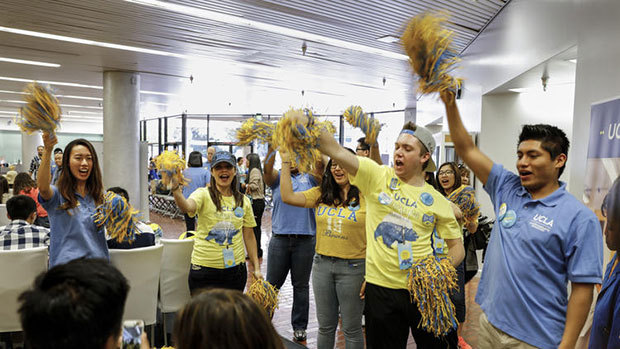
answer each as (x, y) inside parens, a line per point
(340, 231)
(398, 212)
(217, 230)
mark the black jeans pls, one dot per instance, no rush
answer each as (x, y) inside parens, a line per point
(233, 278)
(258, 206)
(390, 315)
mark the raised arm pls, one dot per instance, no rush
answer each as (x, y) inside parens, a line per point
(185, 205)
(463, 144)
(375, 155)
(44, 176)
(269, 173)
(286, 186)
(331, 148)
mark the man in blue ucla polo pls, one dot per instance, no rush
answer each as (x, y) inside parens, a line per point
(402, 212)
(543, 238)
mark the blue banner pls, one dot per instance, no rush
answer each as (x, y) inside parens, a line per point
(605, 130)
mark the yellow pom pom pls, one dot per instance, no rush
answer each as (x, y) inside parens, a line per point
(431, 55)
(301, 140)
(41, 112)
(265, 294)
(430, 282)
(171, 164)
(118, 217)
(253, 129)
(356, 117)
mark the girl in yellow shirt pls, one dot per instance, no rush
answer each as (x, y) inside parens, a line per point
(225, 224)
(339, 263)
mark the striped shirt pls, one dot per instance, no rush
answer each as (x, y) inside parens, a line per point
(19, 235)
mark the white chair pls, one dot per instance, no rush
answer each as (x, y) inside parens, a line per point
(18, 269)
(4, 220)
(173, 286)
(141, 268)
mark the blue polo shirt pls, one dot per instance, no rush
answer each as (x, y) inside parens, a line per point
(536, 247)
(198, 178)
(606, 323)
(73, 236)
(287, 219)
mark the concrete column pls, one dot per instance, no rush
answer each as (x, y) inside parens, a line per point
(121, 151)
(29, 148)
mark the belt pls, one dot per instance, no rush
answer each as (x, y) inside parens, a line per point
(296, 236)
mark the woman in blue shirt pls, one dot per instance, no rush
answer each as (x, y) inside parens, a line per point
(605, 331)
(70, 204)
(198, 178)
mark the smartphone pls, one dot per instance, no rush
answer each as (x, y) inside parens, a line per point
(132, 334)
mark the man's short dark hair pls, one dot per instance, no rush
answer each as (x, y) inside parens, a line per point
(120, 191)
(551, 138)
(20, 207)
(75, 305)
(362, 144)
(57, 151)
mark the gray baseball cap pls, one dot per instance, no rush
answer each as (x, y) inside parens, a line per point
(425, 137)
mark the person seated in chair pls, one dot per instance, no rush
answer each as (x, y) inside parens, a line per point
(20, 233)
(145, 236)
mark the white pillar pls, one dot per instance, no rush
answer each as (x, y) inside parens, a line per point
(121, 151)
(29, 148)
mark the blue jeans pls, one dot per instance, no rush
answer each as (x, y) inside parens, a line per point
(294, 254)
(336, 283)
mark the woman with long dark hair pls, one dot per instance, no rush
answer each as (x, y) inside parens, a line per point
(255, 188)
(198, 178)
(449, 184)
(339, 264)
(70, 204)
(4, 189)
(25, 185)
(225, 222)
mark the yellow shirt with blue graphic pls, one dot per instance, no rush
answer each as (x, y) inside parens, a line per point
(217, 230)
(340, 231)
(399, 213)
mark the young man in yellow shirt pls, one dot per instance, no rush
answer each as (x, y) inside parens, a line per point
(402, 213)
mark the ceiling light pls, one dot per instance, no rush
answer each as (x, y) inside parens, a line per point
(234, 20)
(158, 93)
(9, 112)
(390, 39)
(574, 60)
(84, 112)
(24, 61)
(72, 84)
(60, 96)
(11, 101)
(89, 42)
(79, 106)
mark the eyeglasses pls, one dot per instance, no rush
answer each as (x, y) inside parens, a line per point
(361, 149)
(334, 165)
(445, 173)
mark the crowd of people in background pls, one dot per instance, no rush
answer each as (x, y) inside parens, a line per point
(353, 226)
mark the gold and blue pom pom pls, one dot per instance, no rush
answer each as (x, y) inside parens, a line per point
(429, 47)
(299, 140)
(430, 281)
(170, 164)
(253, 129)
(265, 294)
(41, 112)
(356, 117)
(118, 217)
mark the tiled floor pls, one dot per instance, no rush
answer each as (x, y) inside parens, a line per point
(174, 227)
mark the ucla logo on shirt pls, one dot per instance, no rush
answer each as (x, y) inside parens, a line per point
(541, 222)
(339, 212)
(404, 200)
